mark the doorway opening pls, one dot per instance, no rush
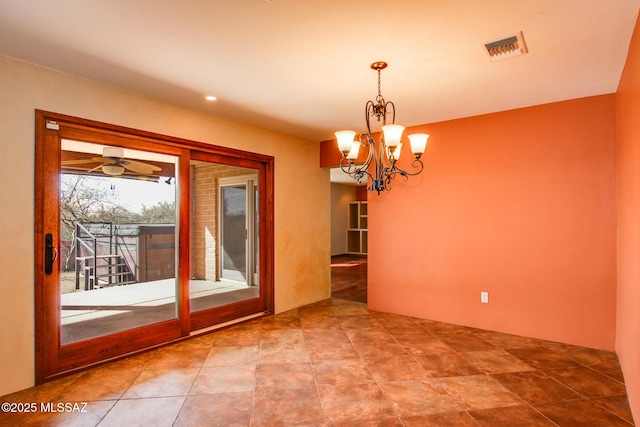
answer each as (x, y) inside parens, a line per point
(349, 239)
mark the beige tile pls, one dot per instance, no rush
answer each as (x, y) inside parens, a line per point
(512, 415)
(177, 357)
(449, 419)
(401, 368)
(342, 372)
(350, 310)
(580, 413)
(134, 363)
(358, 322)
(441, 328)
(330, 349)
(237, 337)
(447, 365)
(369, 349)
(157, 412)
(543, 358)
(411, 398)
(99, 384)
(384, 421)
(277, 352)
(508, 341)
(618, 405)
(229, 356)
(224, 409)
(288, 320)
(282, 336)
(496, 361)
(286, 408)
(587, 382)
(582, 355)
(354, 403)
(465, 341)
(162, 383)
(479, 392)
(44, 392)
(376, 332)
(285, 376)
(78, 415)
(536, 387)
(423, 345)
(11, 419)
(224, 379)
(325, 334)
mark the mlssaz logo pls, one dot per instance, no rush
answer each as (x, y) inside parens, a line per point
(63, 407)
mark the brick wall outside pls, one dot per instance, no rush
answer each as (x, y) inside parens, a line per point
(204, 225)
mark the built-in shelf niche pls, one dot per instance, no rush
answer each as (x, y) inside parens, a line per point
(357, 231)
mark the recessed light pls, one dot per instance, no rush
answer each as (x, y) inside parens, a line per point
(210, 98)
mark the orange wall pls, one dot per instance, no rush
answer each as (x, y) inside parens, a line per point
(628, 114)
(520, 204)
(361, 193)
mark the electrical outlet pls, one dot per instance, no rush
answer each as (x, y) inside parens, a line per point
(484, 297)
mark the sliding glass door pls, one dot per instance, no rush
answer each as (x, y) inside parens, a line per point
(142, 239)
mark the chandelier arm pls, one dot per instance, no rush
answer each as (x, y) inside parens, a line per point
(369, 110)
(368, 142)
(385, 156)
(391, 111)
(347, 166)
(361, 173)
(357, 173)
(364, 140)
(388, 175)
(380, 166)
(416, 164)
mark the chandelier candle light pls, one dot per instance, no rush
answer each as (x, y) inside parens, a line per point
(384, 159)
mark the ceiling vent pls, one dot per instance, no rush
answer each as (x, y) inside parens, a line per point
(505, 48)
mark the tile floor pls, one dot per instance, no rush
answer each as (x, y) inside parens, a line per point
(349, 277)
(335, 363)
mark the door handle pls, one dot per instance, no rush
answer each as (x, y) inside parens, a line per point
(50, 253)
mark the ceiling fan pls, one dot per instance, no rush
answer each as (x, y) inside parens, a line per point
(113, 163)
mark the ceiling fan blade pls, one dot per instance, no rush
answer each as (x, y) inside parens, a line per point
(105, 159)
(95, 169)
(139, 167)
(79, 162)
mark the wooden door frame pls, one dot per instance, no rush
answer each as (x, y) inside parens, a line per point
(53, 359)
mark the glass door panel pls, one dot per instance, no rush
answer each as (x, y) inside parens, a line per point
(223, 218)
(233, 232)
(118, 240)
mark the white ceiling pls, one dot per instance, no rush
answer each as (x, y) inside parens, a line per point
(302, 66)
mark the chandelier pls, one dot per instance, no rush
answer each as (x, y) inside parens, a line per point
(384, 157)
